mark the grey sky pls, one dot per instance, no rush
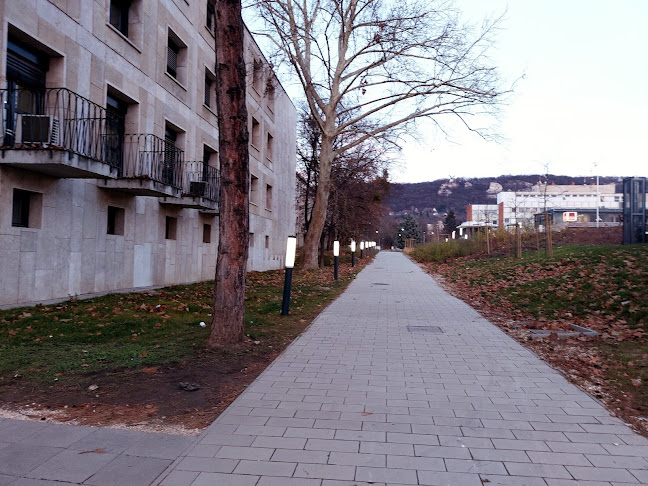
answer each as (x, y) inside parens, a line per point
(581, 108)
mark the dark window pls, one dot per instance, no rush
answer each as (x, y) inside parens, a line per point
(21, 203)
(26, 72)
(171, 155)
(119, 15)
(210, 22)
(208, 91)
(115, 221)
(206, 233)
(115, 129)
(267, 241)
(170, 228)
(172, 58)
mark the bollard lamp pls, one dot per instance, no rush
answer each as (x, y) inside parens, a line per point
(291, 250)
(336, 255)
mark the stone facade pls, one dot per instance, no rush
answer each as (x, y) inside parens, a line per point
(92, 226)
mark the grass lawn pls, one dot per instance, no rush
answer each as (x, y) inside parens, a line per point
(50, 353)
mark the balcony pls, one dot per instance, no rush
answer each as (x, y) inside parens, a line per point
(199, 189)
(54, 132)
(149, 165)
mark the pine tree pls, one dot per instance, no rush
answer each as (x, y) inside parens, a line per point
(407, 229)
(450, 224)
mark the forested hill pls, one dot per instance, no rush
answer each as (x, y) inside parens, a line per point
(444, 195)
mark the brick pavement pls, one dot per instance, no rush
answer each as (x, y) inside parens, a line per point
(395, 383)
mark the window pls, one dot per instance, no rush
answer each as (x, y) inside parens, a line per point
(115, 221)
(270, 147)
(251, 241)
(210, 93)
(171, 156)
(119, 15)
(116, 110)
(26, 210)
(172, 58)
(206, 233)
(256, 133)
(268, 204)
(210, 21)
(257, 76)
(171, 227)
(21, 200)
(270, 96)
(176, 58)
(267, 241)
(254, 189)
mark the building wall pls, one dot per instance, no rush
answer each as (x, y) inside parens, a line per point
(69, 253)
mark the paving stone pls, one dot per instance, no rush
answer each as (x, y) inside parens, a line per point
(212, 479)
(180, 478)
(72, 466)
(129, 471)
(160, 446)
(435, 478)
(400, 476)
(19, 459)
(325, 471)
(602, 474)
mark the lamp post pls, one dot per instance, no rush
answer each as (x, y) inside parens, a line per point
(336, 255)
(291, 249)
(352, 253)
(362, 245)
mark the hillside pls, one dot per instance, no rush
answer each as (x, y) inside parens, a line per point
(421, 199)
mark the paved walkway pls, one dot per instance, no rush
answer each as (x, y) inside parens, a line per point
(395, 383)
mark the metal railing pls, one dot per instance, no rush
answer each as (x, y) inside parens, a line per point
(54, 118)
(201, 180)
(146, 156)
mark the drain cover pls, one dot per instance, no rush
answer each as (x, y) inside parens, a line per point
(433, 329)
(378, 283)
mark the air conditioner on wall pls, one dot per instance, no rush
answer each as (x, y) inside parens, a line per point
(38, 129)
(198, 189)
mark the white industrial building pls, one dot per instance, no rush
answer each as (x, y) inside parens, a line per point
(109, 148)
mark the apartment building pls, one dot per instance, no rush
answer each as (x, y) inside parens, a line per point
(109, 148)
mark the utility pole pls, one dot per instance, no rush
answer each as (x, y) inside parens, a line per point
(597, 201)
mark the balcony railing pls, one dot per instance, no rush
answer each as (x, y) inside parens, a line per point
(201, 180)
(55, 118)
(146, 156)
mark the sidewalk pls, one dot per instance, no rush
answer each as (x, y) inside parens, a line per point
(395, 383)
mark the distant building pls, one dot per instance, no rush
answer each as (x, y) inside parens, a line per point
(109, 148)
(580, 202)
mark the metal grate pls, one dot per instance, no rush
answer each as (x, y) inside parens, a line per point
(432, 329)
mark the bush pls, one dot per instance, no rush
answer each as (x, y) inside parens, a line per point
(442, 251)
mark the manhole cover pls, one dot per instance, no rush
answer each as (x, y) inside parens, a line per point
(433, 329)
(378, 283)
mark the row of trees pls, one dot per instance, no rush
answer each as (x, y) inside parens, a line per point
(369, 69)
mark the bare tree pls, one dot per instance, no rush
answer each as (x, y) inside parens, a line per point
(233, 223)
(384, 63)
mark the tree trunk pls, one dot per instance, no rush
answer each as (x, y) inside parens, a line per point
(318, 217)
(227, 323)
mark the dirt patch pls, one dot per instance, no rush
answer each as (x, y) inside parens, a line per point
(150, 398)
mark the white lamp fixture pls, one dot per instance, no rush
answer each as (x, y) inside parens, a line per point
(291, 249)
(362, 245)
(352, 245)
(336, 248)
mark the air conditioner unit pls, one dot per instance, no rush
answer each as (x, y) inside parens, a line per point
(198, 189)
(38, 129)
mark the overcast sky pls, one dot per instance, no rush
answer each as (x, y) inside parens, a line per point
(580, 105)
(581, 108)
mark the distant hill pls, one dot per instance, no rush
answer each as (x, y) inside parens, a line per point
(431, 200)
